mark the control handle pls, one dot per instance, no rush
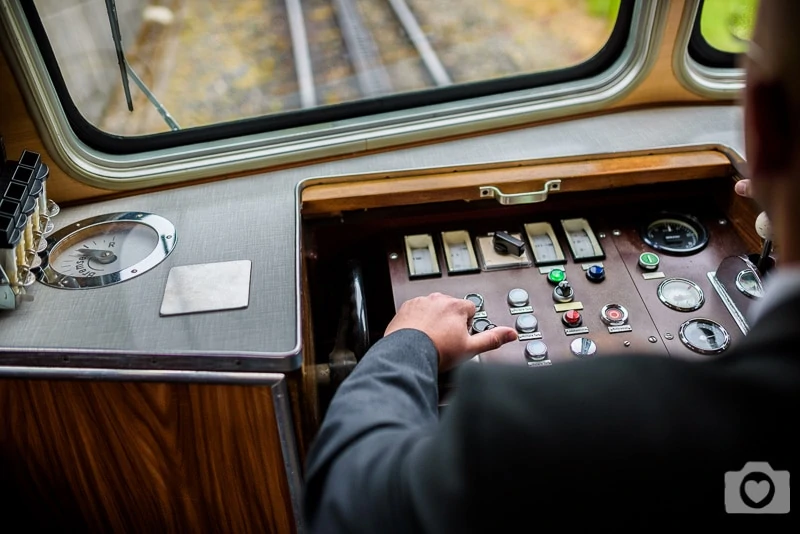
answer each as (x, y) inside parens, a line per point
(490, 191)
(764, 231)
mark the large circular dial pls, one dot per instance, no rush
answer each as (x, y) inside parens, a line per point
(106, 250)
(704, 336)
(675, 233)
(681, 294)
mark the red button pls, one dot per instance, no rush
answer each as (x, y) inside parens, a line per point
(572, 318)
(614, 314)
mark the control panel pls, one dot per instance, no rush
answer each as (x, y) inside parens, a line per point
(580, 288)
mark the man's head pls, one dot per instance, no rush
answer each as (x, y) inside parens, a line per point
(772, 118)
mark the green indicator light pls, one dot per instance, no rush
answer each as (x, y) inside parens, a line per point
(556, 275)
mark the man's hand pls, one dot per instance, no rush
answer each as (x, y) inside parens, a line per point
(446, 321)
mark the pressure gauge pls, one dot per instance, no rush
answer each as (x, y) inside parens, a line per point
(107, 250)
(582, 241)
(681, 294)
(704, 336)
(675, 233)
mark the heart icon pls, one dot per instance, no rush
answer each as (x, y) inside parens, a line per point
(756, 490)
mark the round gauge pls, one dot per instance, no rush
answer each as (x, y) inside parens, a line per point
(748, 283)
(675, 233)
(107, 250)
(680, 294)
(704, 336)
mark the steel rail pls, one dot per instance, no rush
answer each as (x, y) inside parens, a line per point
(301, 53)
(373, 79)
(420, 42)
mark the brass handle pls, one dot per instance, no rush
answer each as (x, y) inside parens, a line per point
(489, 191)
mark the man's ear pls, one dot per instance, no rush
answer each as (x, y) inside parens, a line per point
(769, 129)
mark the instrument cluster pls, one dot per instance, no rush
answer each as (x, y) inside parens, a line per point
(577, 289)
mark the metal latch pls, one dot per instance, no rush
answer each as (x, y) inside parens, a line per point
(489, 191)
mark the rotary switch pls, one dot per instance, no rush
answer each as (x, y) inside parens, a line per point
(563, 292)
(572, 318)
(526, 323)
(583, 347)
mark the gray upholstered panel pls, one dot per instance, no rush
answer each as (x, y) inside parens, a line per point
(254, 218)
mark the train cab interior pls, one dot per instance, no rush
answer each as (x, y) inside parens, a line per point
(289, 173)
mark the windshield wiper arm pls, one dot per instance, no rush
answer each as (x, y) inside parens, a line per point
(111, 9)
(125, 69)
(153, 100)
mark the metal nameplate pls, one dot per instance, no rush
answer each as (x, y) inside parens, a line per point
(619, 328)
(529, 336)
(577, 330)
(653, 276)
(519, 311)
(567, 306)
(543, 363)
(546, 269)
(207, 287)
(481, 315)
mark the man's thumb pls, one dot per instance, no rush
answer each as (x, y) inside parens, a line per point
(491, 339)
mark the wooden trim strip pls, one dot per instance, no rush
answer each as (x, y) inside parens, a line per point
(380, 190)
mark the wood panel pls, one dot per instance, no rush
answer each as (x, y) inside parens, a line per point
(19, 133)
(141, 457)
(380, 190)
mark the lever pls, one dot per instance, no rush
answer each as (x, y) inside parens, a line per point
(764, 230)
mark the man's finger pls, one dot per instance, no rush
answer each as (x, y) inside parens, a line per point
(744, 188)
(468, 307)
(491, 339)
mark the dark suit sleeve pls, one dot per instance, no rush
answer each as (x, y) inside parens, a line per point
(383, 414)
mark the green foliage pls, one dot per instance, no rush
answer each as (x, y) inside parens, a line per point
(603, 8)
(726, 23)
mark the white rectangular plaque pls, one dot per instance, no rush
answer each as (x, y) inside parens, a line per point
(207, 287)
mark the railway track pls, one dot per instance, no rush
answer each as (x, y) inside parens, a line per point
(368, 32)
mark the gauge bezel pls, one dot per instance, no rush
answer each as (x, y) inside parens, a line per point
(691, 346)
(743, 290)
(691, 220)
(673, 306)
(167, 239)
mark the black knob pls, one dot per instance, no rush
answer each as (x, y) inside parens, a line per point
(505, 243)
(563, 292)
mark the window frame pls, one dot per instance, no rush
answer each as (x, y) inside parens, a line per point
(699, 66)
(238, 150)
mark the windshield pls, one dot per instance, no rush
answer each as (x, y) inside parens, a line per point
(196, 63)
